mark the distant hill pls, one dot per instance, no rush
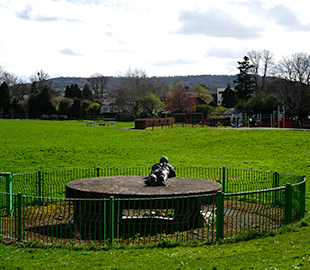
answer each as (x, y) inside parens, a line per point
(212, 82)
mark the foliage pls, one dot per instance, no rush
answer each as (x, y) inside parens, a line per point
(65, 105)
(134, 85)
(150, 105)
(180, 100)
(230, 97)
(5, 98)
(245, 83)
(206, 109)
(45, 99)
(87, 93)
(262, 103)
(40, 103)
(74, 112)
(220, 110)
(73, 91)
(84, 108)
(201, 91)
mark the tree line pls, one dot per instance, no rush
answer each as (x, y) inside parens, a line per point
(133, 93)
(263, 84)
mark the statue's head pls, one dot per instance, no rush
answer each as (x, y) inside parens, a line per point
(163, 160)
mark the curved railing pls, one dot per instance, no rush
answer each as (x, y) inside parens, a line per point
(34, 207)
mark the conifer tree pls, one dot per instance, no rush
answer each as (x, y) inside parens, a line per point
(245, 83)
(5, 98)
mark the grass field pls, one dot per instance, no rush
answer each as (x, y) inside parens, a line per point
(28, 146)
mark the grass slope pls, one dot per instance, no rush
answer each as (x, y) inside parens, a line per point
(27, 146)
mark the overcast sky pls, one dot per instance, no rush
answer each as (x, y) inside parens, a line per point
(163, 37)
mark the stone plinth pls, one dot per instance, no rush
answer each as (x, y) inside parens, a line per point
(136, 195)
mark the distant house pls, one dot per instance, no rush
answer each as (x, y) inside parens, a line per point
(109, 105)
(220, 92)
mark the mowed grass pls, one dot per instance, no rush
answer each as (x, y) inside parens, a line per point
(27, 146)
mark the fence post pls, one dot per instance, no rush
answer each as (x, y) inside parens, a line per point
(223, 179)
(9, 196)
(111, 220)
(288, 204)
(219, 215)
(98, 171)
(19, 216)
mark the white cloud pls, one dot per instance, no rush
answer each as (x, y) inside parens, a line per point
(226, 52)
(81, 37)
(216, 23)
(70, 52)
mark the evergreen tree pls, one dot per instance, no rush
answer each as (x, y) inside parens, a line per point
(245, 83)
(230, 97)
(34, 87)
(87, 92)
(34, 104)
(5, 98)
(73, 91)
(45, 99)
(74, 111)
(40, 103)
(68, 92)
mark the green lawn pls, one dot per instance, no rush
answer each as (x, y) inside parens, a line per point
(28, 146)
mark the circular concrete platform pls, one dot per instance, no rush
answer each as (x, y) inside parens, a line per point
(185, 197)
(134, 187)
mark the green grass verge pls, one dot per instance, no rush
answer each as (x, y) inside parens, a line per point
(27, 146)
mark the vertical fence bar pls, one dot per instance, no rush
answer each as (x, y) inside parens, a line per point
(9, 196)
(39, 184)
(19, 217)
(275, 185)
(288, 204)
(219, 215)
(98, 171)
(111, 219)
(223, 179)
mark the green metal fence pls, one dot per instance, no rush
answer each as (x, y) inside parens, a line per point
(33, 207)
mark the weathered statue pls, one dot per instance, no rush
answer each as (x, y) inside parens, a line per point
(161, 171)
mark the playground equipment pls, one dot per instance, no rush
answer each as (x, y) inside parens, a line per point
(197, 119)
(180, 118)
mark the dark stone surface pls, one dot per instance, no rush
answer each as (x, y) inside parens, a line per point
(179, 195)
(134, 187)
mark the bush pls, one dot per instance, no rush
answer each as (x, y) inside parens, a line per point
(62, 117)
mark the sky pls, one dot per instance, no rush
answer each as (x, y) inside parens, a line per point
(78, 38)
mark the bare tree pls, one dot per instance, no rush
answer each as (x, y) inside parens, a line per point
(18, 87)
(267, 67)
(255, 58)
(2, 71)
(293, 86)
(42, 79)
(11, 79)
(263, 63)
(295, 68)
(134, 84)
(98, 83)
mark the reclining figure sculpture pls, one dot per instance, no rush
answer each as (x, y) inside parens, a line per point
(161, 171)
